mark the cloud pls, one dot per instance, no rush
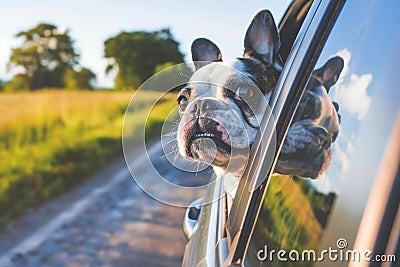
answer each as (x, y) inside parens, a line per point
(323, 183)
(346, 56)
(350, 147)
(341, 152)
(352, 95)
(351, 89)
(342, 157)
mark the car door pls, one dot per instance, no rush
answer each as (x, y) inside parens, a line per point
(285, 213)
(290, 87)
(349, 216)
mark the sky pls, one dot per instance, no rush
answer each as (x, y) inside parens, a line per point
(368, 101)
(92, 22)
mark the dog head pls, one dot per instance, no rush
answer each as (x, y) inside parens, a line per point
(223, 102)
(306, 151)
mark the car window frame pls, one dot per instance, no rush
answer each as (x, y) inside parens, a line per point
(288, 92)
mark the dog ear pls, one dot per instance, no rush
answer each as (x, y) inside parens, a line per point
(336, 106)
(262, 40)
(329, 73)
(204, 52)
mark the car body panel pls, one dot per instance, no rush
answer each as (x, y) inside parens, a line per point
(355, 200)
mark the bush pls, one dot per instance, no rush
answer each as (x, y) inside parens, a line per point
(19, 82)
(81, 79)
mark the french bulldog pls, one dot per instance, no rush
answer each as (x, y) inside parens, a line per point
(223, 103)
(306, 151)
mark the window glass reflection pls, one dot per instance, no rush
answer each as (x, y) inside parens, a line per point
(296, 211)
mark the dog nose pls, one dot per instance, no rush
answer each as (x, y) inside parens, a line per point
(204, 105)
(323, 136)
(208, 104)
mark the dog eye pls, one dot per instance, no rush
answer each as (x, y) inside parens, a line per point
(243, 93)
(183, 102)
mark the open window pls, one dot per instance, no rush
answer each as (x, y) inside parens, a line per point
(290, 88)
(353, 207)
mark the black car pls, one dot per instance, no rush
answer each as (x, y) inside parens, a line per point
(350, 216)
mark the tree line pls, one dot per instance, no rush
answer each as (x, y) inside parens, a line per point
(47, 58)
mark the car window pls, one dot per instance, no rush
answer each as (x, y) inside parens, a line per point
(296, 211)
(290, 25)
(288, 91)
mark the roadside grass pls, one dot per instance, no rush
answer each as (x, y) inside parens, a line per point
(293, 217)
(51, 140)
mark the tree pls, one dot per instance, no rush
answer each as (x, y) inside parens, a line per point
(136, 55)
(44, 56)
(81, 79)
(18, 83)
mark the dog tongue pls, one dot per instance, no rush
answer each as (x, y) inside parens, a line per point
(206, 151)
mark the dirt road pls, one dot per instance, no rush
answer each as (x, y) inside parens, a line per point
(108, 221)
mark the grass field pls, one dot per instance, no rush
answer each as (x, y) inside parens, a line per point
(293, 217)
(51, 140)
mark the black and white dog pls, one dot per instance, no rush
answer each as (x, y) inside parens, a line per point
(223, 103)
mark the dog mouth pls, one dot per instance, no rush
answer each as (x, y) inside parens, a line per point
(207, 140)
(309, 156)
(219, 144)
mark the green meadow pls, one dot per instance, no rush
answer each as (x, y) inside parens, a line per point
(51, 140)
(293, 217)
